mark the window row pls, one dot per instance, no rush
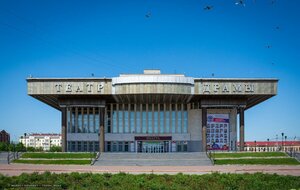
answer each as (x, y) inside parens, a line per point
(147, 118)
(83, 120)
(83, 146)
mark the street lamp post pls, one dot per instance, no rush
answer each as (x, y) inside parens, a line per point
(268, 145)
(255, 146)
(282, 134)
(285, 137)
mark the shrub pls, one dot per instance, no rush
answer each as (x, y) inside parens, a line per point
(55, 149)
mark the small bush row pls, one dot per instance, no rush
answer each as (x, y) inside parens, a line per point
(212, 181)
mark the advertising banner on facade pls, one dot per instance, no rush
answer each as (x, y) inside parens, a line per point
(217, 132)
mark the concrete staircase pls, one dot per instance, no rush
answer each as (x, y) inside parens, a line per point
(153, 159)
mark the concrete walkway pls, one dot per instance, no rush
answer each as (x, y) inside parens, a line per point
(17, 169)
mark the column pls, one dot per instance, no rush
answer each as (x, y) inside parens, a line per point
(204, 123)
(63, 129)
(242, 129)
(102, 140)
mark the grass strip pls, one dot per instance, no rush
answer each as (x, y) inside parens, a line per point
(63, 162)
(214, 181)
(269, 161)
(57, 155)
(248, 154)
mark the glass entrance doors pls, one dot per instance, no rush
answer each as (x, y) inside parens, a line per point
(153, 146)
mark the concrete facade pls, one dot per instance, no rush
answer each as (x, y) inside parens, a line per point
(166, 112)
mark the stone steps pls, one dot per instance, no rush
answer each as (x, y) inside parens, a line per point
(153, 159)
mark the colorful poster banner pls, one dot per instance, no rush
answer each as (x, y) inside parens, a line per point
(217, 131)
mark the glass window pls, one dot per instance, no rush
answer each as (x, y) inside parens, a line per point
(144, 119)
(108, 145)
(185, 121)
(126, 119)
(132, 121)
(69, 121)
(161, 119)
(91, 146)
(97, 122)
(85, 122)
(150, 129)
(91, 122)
(167, 118)
(73, 121)
(69, 146)
(85, 148)
(79, 121)
(115, 130)
(126, 147)
(156, 121)
(79, 146)
(138, 119)
(120, 119)
(108, 119)
(179, 120)
(96, 145)
(73, 146)
(173, 118)
(120, 146)
(114, 147)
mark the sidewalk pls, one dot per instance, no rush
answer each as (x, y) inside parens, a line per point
(17, 169)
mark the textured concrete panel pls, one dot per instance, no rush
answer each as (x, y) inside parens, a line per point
(194, 124)
(195, 146)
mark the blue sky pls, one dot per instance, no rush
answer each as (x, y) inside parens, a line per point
(76, 38)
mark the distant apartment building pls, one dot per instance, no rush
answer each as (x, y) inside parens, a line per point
(43, 140)
(272, 146)
(4, 136)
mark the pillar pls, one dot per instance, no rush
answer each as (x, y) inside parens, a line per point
(204, 123)
(64, 129)
(242, 129)
(102, 140)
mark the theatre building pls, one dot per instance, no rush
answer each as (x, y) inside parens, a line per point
(151, 112)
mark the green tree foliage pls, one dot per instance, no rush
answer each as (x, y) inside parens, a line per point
(20, 147)
(3, 146)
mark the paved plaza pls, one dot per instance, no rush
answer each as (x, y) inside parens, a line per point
(17, 169)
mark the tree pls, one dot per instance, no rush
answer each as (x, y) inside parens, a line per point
(20, 147)
(3, 146)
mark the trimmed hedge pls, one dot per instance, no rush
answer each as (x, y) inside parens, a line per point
(52, 161)
(267, 161)
(57, 155)
(248, 154)
(212, 181)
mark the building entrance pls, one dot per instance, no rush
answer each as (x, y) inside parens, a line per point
(153, 146)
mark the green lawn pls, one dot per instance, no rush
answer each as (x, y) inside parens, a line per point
(52, 161)
(57, 155)
(248, 154)
(269, 161)
(214, 181)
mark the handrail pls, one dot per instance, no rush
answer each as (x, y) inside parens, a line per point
(209, 155)
(13, 155)
(95, 159)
